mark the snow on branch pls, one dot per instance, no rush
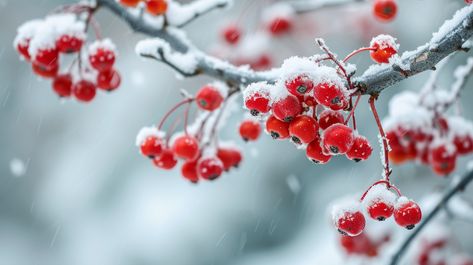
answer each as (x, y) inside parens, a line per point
(450, 38)
(451, 192)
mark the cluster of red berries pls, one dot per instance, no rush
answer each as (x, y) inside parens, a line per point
(46, 42)
(416, 132)
(379, 203)
(203, 157)
(307, 108)
(153, 7)
(385, 10)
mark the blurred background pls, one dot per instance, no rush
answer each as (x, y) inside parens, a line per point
(74, 190)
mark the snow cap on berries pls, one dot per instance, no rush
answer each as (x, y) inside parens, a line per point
(26, 32)
(262, 88)
(385, 41)
(459, 126)
(379, 193)
(106, 44)
(343, 206)
(146, 132)
(404, 110)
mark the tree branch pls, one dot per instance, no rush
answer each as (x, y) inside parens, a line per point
(449, 39)
(458, 187)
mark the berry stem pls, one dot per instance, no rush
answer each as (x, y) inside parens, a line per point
(352, 112)
(355, 52)
(387, 168)
(186, 118)
(172, 110)
(171, 130)
(388, 186)
(333, 57)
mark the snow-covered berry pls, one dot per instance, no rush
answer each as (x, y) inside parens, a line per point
(338, 139)
(209, 98)
(407, 213)
(287, 108)
(361, 149)
(385, 47)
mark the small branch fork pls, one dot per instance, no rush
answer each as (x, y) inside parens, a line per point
(451, 192)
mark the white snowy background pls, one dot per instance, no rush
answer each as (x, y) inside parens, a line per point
(75, 191)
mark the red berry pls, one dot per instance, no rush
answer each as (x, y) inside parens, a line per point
(361, 149)
(209, 98)
(350, 223)
(330, 96)
(69, 44)
(47, 57)
(464, 144)
(230, 157)
(231, 34)
(443, 159)
(186, 147)
(329, 117)
(468, 2)
(22, 48)
(385, 47)
(287, 108)
(338, 139)
(151, 147)
(257, 102)
(45, 71)
(407, 213)
(315, 153)
(385, 10)
(300, 85)
(280, 25)
(276, 128)
(108, 80)
(189, 171)
(166, 160)
(210, 168)
(381, 210)
(156, 7)
(84, 90)
(62, 85)
(102, 55)
(303, 129)
(250, 130)
(130, 3)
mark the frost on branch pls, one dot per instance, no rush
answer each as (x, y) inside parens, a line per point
(184, 63)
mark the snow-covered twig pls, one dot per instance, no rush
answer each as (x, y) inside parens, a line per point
(450, 38)
(451, 192)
